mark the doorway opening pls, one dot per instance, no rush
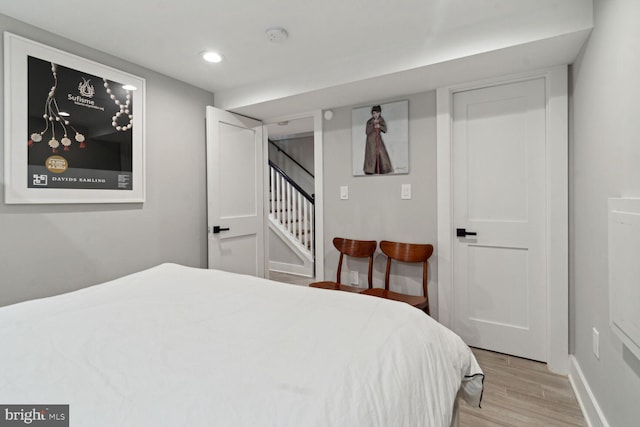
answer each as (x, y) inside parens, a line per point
(293, 198)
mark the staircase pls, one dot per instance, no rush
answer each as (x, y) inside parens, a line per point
(291, 218)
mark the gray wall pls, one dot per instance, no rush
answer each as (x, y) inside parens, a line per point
(605, 162)
(280, 252)
(300, 149)
(49, 249)
(374, 210)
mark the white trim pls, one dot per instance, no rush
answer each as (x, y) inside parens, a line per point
(265, 197)
(305, 257)
(318, 168)
(557, 211)
(558, 219)
(283, 267)
(445, 226)
(318, 184)
(587, 401)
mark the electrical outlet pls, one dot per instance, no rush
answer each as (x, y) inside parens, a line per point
(596, 343)
(354, 278)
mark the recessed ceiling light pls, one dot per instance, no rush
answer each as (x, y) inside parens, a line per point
(211, 56)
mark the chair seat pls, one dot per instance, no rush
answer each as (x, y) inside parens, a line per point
(416, 301)
(335, 286)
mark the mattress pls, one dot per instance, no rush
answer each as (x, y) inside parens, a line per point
(176, 345)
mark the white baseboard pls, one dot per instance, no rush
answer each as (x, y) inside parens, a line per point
(587, 401)
(300, 270)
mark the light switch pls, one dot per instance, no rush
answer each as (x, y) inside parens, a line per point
(344, 192)
(405, 193)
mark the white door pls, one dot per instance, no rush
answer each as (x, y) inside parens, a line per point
(499, 274)
(235, 191)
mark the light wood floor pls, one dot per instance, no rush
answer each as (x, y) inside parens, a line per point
(521, 392)
(517, 392)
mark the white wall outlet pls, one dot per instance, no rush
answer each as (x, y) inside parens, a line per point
(344, 192)
(405, 191)
(596, 343)
(355, 280)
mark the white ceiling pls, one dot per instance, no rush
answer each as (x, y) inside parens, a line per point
(339, 52)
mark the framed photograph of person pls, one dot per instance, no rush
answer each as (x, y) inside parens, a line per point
(380, 139)
(74, 129)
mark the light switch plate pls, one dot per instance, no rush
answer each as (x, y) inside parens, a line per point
(344, 192)
(405, 192)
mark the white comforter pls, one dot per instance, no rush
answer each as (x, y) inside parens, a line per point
(179, 346)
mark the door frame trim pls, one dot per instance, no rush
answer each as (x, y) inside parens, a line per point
(556, 210)
(318, 185)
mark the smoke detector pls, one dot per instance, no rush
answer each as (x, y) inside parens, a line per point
(276, 35)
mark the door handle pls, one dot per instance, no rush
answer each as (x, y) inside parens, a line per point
(217, 229)
(462, 232)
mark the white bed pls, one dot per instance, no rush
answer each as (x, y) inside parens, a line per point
(180, 346)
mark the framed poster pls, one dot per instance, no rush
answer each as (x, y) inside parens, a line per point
(74, 129)
(380, 139)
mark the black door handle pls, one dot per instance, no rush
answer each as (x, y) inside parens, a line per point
(462, 232)
(217, 229)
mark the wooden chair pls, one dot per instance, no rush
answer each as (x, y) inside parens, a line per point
(405, 252)
(351, 248)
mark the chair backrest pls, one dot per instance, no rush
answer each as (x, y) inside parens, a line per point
(356, 249)
(407, 252)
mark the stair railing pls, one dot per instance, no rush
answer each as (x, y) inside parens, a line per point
(287, 155)
(292, 209)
